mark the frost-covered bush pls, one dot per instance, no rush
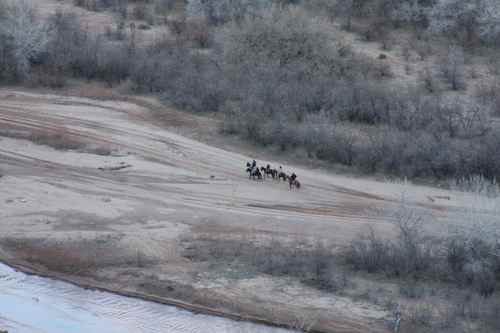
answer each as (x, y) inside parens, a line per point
(221, 11)
(414, 12)
(23, 38)
(467, 19)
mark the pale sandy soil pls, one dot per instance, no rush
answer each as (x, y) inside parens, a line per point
(175, 187)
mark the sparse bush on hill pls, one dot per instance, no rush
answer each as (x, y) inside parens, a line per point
(470, 22)
(469, 257)
(313, 265)
(443, 283)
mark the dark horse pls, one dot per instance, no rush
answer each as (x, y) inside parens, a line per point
(253, 172)
(292, 181)
(282, 175)
(267, 171)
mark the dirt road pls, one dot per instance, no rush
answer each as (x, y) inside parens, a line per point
(143, 188)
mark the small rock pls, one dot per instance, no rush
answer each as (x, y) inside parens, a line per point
(106, 199)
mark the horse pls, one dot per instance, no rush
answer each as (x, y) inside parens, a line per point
(282, 175)
(274, 173)
(292, 181)
(267, 171)
(264, 171)
(254, 173)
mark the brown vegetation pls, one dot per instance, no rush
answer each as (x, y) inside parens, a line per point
(57, 138)
(424, 268)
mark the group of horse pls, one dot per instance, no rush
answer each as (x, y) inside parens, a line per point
(256, 173)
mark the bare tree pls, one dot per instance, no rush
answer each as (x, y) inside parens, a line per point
(452, 67)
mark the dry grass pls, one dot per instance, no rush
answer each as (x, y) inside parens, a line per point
(58, 137)
(94, 91)
(77, 257)
(312, 263)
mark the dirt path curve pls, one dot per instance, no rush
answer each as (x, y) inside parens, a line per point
(156, 186)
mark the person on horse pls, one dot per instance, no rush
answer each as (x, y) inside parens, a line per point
(254, 164)
(292, 181)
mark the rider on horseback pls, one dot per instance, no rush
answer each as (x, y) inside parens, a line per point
(292, 180)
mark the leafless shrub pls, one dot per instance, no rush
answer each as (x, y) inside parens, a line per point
(87, 4)
(488, 94)
(198, 32)
(23, 39)
(406, 52)
(144, 12)
(410, 255)
(304, 322)
(477, 184)
(313, 265)
(422, 48)
(164, 5)
(428, 81)
(468, 261)
(412, 289)
(113, 64)
(452, 67)
(116, 32)
(177, 25)
(119, 6)
(419, 315)
(221, 11)
(388, 41)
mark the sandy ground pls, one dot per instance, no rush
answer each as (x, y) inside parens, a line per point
(173, 186)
